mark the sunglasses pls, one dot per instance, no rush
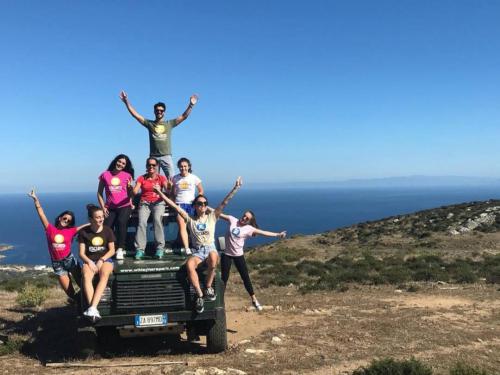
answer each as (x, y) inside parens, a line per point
(245, 218)
(159, 111)
(201, 204)
(65, 218)
(151, 165)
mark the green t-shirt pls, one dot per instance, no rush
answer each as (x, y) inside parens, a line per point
(159, 136)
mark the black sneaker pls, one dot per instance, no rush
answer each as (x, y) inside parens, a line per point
(210, 294)
(199, 305)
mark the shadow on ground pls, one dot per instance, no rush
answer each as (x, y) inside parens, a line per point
(53, 338)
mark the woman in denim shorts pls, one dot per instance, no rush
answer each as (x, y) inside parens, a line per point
(59, 238)
(201, 227)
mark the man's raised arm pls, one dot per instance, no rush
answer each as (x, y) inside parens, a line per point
(132, 111)
(192, 102)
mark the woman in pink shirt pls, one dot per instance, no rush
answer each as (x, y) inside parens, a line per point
(237, 232)
(116, 181)
(59, 238)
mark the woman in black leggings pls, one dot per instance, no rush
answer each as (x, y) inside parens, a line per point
(238, 231)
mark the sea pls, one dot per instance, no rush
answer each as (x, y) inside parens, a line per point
(296, 210)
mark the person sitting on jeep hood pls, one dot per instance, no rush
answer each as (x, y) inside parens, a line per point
(202, 231)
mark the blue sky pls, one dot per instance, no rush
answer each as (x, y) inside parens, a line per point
(289, 90)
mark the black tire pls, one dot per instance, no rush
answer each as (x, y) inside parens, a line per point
(86, 340)
(217, 335)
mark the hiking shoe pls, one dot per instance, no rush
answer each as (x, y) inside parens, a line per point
(139, 254)
(198, 304)
(257, 305)
(92, 314)
(119, 254)
(210, 294)
(159, 253)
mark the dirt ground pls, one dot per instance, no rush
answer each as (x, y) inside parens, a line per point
(317, 333)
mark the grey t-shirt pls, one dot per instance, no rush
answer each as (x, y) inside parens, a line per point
(159, 136)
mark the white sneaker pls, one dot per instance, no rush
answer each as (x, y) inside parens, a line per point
(92, 313)
(257, 305)
(119, 254)
(186, 251)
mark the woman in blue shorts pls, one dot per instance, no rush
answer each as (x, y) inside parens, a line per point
(184, 188)
(201, 227)
(59, 238)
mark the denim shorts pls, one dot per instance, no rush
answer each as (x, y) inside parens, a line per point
(64, 266)
(188, 207)
(203, 251)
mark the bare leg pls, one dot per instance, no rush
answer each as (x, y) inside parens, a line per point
(65, 282)
(88, 287)
(191, 266)
(183, 231)
(104, 271)
(212, 260)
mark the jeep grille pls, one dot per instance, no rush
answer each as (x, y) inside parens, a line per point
(140, 294)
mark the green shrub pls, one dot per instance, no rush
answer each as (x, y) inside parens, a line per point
(395, 274)
(463, 369)
(280, 255)
(17, 283)
(281, 275)
(390, 366)
(31, 296)
(11, 346)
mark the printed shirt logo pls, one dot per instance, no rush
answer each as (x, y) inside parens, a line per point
(115, 186)
(184, 185)
(58, 238)
(236, 232)
(160, 129)
(58, 243)
(201, 227)
(97, 241)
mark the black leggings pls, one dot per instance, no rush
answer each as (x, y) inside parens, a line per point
(241, 266)
(117, 221)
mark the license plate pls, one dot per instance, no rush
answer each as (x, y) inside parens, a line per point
(150, 320)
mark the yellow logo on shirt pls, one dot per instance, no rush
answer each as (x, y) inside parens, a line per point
(97, 241)
(184, 185)
(115, 181)
(58, 238)
(160, 129)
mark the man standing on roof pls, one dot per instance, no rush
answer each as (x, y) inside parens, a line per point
(160, 131)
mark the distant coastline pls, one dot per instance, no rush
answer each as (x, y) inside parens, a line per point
(4, 247)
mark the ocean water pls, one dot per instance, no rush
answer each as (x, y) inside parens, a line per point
(299, 211)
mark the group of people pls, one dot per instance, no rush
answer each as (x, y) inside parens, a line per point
(103, 239)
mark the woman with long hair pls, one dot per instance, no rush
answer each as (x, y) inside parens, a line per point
(150, 202)
(237, 232)
(59, 238)
(116, 182)
(201, 227)
(97, 248)
(184, 187)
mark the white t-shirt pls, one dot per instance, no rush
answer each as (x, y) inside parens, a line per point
(185, 188)
(235, 237)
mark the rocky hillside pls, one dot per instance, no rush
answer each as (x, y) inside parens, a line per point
(457, 230)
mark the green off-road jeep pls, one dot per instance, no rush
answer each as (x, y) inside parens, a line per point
(151, 297)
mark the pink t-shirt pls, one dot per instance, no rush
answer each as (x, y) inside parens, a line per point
(148, 193)
(236, 236)
(59, 241)
(116, 188)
